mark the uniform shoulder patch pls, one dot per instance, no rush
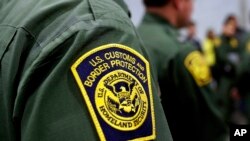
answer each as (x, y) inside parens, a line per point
(197, 66)
(116, 86)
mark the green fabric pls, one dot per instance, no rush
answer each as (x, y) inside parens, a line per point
(156, 33)
(243, 76)
(228, 58)
(191, 110)
(39, 42)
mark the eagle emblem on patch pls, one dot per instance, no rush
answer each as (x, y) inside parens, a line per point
(198, 67)
(115, 83)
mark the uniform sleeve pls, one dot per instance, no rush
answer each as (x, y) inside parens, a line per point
(243, 75)
(189, 102)
(243, 71)
(88, 84)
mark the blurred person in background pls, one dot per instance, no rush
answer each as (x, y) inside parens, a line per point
(243, 75)
(183, 73)
(240, 32)
(228, 56)
(55, 63)
(209, 47)
(243, 78)
(191, 36)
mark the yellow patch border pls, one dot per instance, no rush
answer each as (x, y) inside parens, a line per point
(186, 62)
(88, 102)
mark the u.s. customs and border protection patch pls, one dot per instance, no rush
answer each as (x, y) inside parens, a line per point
(198, 67)
(115, 83)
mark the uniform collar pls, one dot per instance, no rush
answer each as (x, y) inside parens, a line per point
(124, 6)
(155, 19)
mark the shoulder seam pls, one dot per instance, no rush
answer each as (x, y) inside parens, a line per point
(92, 10)
(30, 35)
(24, 29)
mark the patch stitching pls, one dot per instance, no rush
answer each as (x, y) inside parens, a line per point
(87, 99)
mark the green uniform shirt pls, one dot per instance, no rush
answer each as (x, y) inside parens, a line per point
(243, 76)
(184, 77)
(228, 56)
(156, 33)
(74, 71)
(243, 71)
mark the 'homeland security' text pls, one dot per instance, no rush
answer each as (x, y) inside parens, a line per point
(125, 124)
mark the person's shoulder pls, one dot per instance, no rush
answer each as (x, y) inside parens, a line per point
(192, 60)
(63, 14)
(153, 30)
(245, 42)
(155, 37)
(108, 9)
(185, 49)
(108, 13)
(46, 21)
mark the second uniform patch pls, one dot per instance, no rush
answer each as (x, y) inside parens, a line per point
(198, 67)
